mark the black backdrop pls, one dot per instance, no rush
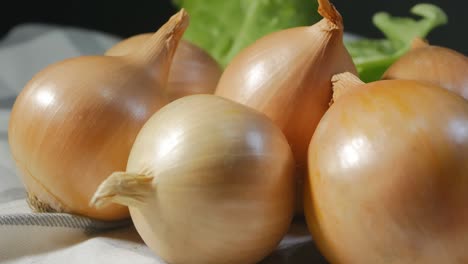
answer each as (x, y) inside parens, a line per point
(124, 18)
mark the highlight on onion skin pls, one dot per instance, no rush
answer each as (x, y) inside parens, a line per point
(193, 71)
(388, 174)
(436, 65)
(213, 186)
(76, 120)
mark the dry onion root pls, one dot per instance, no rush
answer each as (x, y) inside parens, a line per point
(207, 181)
(388, 174)
(193, 71)
(75, 122)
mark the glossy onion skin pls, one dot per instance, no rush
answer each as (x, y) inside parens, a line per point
(68, 131)
(193, 71)
(388, 176)
(286, 75)
(436, 65)
(223, 177)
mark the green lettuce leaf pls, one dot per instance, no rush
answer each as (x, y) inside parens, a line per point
(223, 28)
(373, 56)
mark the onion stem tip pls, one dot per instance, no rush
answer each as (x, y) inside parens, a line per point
(122, 188)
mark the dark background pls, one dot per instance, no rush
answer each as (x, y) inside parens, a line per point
(125, 18)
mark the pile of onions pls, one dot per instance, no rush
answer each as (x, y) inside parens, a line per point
(212, 178)
(193, 71)
(436, 65)
(75, 122)
(208, 180)
(388, 174)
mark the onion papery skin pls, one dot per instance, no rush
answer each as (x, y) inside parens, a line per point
(75, 121)
(435, 65)
(193, 71)
(388, 176)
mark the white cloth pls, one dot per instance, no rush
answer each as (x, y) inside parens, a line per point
(26, 237)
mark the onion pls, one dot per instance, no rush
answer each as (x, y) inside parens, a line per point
(75, 122)
(193, 71)
(286, 75)
(388, 174)
(212, 186)
(436, 65)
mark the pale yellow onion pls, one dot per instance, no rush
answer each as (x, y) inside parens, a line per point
(436, 65)
(193, 71)
(388, 175)
(75, 122)
(208, 181)
(286, 75)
